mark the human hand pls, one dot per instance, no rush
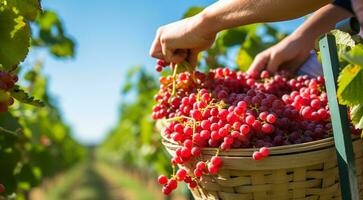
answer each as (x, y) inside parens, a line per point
(289, 54)
(182, 40)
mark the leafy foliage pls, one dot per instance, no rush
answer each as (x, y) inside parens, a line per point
(52, 35)
(14, 31)
(357, 116)
(350, 80)
(34, 142)
(193, 11)
(24, 97)
(133, 142)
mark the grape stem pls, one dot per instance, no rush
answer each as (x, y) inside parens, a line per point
(185, 117)
(14, 133)
(174, 79)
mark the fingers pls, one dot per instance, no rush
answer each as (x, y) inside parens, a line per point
(173, 56)
(259, 63)
(295, 64)
(179, 56)
(166, 52)
(160, 50)
(193, 58)
(274, 63)
(156, 49)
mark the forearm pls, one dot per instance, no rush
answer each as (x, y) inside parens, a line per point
(226, 14)
(322, 21)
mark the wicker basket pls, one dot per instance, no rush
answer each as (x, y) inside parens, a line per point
(303, 171)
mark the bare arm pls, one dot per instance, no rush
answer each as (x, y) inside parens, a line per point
(231, 13)
(184, 39)
(291, 52)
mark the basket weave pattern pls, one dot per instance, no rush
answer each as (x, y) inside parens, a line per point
(310, 174)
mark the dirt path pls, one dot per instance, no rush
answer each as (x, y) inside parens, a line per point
(94, 180)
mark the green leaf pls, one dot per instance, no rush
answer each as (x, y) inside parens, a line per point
(356, 114)
(233, 36)
(244, 59)
(14, 39)
(350, 85)
(47, 20)
(343, 38)
(355, 55)
(24, 97)
(64, 48)
(193, 11)
(250, 48)
(52, 35)
(236, 36)
(27, 8)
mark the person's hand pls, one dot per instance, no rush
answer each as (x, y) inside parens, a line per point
(182, 40)
(289, 54)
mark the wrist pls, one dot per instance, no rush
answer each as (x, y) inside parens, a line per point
(209, 22)
(303, 39)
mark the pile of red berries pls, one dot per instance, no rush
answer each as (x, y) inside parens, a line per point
(226, 109)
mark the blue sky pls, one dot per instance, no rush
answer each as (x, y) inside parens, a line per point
(111, 36)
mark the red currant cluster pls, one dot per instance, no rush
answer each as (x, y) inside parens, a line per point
(225, 109)
(7, 82)
(160, 65)
(171, 184)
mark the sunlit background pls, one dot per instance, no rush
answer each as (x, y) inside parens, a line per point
(94, 137)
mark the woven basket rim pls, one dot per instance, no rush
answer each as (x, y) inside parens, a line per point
(277, 150)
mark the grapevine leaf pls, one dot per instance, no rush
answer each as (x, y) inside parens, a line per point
(349, 85)
(343, 38)
(52, 35)
(47, 20)
(63, 48)
(344, 43)
(273, 32)
(233, 36)
(236, 36)
(244, 59)
(9, 124)
(27, 8)
(193, 11)
(355, 55)
(14, 39)
(24, 97)
(250, 48)
(356, 114)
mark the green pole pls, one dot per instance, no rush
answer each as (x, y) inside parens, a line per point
(339, 118)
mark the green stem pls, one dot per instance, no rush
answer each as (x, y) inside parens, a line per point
(174, 79)
(14, 133)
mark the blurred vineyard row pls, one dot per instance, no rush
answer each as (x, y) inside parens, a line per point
(35, 142)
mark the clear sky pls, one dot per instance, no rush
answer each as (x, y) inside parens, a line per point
(111, 36)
